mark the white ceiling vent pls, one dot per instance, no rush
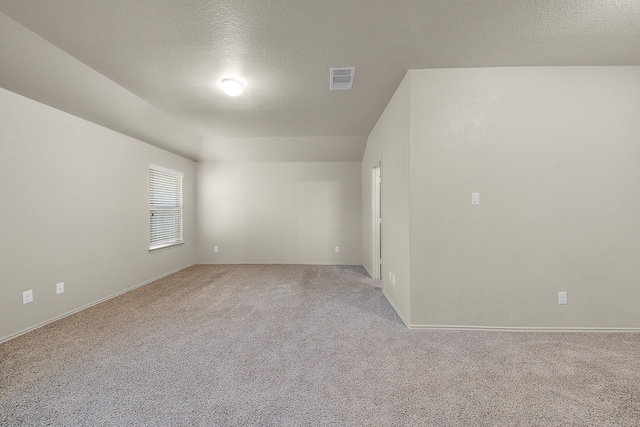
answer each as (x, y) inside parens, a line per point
(341, 78)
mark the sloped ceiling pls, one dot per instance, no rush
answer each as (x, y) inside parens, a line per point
(173, 54)
(34, 68)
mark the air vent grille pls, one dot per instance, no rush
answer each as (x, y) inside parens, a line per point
(341, 78)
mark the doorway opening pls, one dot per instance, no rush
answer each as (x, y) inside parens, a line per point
(377, 221)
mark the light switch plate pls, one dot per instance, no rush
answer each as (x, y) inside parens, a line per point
(337, 248)
(475, 198)
(215, 249)
(59, 288)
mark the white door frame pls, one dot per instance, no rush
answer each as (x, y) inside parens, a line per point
(376, 215)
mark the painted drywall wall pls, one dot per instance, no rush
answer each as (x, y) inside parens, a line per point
(33, 67)
(74, 209)
(554, 153)
(388, 144)
(279, 213)
(283, 149)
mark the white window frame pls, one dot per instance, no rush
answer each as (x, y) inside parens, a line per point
(174, 207)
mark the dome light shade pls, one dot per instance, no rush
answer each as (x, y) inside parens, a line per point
(232, 87)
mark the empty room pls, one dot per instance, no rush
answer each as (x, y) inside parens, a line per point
(320, 212)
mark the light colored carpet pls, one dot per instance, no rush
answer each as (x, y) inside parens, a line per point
(303, 345)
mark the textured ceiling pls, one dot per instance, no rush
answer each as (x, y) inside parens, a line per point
(173, 53)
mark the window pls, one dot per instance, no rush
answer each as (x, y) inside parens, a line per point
(165, 208)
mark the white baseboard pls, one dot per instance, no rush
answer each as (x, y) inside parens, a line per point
(69, 313)
(279, 263)
(396, 309)
(505, 328)
(438, 327)
(368, 272)
(522, 328)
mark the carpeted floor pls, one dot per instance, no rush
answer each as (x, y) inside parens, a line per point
(303, 345)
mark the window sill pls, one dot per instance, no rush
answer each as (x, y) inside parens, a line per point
(163, 247)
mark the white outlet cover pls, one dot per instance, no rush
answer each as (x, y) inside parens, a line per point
(562, 298)
(215, 249)
(59, 288)
(27, 297)
(337, 248)
(393, 279)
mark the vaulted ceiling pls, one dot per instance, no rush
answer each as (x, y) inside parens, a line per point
(173, 53)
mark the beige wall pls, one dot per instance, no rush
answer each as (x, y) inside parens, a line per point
(388, 143)
(555, 156)
(279, 213)
(283, 149)
(74, 209)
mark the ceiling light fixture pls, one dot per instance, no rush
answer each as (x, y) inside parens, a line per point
(232, 87)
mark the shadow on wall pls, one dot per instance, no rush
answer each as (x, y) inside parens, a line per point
(318, 218)
(280, 212)
(294, 222)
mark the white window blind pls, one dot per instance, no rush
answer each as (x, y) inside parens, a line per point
(165, 207)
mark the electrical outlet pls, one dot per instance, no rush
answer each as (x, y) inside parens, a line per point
(562, 298)
(27, 297)
(337, 249)
(59, 288)
(215, 249)
(393, 279)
